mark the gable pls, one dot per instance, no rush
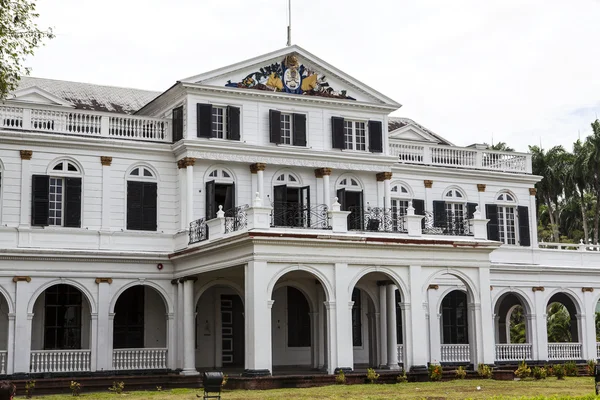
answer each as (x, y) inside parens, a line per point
(291, 71)
(410, 133)
(36, 95)
(406, 129)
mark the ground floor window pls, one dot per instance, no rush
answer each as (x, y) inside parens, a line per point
(454, 318)
(62, 318)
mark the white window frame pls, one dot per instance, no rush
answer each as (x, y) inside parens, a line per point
(55, 206)
(504, 204)
(61, 174)
(287, 133)
(351, 128)
(222, 132)
(142, 178)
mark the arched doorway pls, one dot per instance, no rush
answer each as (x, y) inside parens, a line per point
(140, 330)
(4, 332)
(377, 322)
(562, 325)
(61, 331)
(514, 339)
(298, 323)
(220, 328)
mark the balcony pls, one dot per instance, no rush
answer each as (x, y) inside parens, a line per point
(375, 219)
(460, 157)
(86, 123)
(295, 215)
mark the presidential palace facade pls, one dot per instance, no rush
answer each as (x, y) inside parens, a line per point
(267, 216)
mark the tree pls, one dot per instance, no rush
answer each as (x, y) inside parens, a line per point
(517, 326)
(19, 37)
(593, 164)
(501, 146)
(559, 324)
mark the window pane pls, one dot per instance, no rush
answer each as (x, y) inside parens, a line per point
(286, 129)
(218, 122)
(55, 205)
(361, 136)
(348, 135)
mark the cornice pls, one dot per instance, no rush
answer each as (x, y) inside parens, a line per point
(478, 174)
(82, 256)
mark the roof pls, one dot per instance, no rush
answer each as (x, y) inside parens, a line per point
(86, 96)
(400, 122)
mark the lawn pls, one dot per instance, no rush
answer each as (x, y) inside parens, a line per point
(551, 388)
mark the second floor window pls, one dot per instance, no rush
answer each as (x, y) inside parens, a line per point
(222, 122)
(287, 128)
(509, 223)
(218, 122)
(141, 200)
(355, 135)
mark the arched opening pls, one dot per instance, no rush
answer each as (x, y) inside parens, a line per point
(291, 201)
(298, 323)
(512, 328)
(452, 319)
(220, 329)
(349, 192)
(4, 311)
(61, 331)
(140, 329)
(562, 325)
(377, 322)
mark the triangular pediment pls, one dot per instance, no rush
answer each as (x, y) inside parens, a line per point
(36, 95)
(407, 129)
(292, 70)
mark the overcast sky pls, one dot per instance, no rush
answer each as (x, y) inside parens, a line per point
(524, 71)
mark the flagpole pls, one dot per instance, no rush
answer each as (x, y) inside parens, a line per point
(289, 29)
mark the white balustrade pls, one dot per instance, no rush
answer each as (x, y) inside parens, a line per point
(597, 350)
(514, 352)
(564, 351)
(86, 123)
(569, 246)
(3, 359)
(132, 359)
(400, 353)
(456, 353)
(460, 157)
(60, 361)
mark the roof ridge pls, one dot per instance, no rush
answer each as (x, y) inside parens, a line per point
(92, 84)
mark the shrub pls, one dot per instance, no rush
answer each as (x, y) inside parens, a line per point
(75, 388)
(461, 372)
(484, 371)
(224, 381)
(159, 388)
(549, 369)
(117, 387)
(523, 371)
(372, 376)
(435, 372)
(402, 378)
(559, 371)
(571, 368)
(29, 387)
(340, 378)
(539, 373)
(591, 367)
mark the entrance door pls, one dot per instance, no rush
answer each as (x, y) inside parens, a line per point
(232, 331)
(291, 206)
(219, 194)
(352, 201)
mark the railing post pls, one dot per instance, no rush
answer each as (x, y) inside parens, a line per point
(339, 219)
(216, 226)
(479, 225)
(257, 215)
(104, 125)
(412, 221)
(26, 118)
(427, 159)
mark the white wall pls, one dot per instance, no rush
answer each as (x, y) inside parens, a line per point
(155, 319)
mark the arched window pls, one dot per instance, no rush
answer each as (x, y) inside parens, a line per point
(141, 199)
(56, 197)
(220, 191)
(291, 201)
(350, 197)
(506, 208)
(400, 195)
(455, 322)
(451, 214)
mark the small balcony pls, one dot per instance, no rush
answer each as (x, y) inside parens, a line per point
(86, 123)
(460, 157)
(450, 224)
(296, 215)
(375, 219)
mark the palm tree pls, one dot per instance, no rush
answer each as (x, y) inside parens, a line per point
(578, 179)
(592, 165)
(559, 323)
(551, 165)
(517, 326)
(501, 146)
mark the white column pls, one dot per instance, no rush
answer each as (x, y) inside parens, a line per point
(387, 193)
(428, 197)
(103, 346)
(480, 194)
(172, 341)
(327, 200)
(383, 355)
(344, 347)
(533, 219)
(486, 345)
(380, 194)
(322, 318)
(24, 219)
(541, 329)
(435, 336)
(94, 341)
(331, 340)
(106, 179)
(23, 320)
(415, 323)
(588, 338)
(315, 348)
(189, 352)
(392, 346)
(258, 306)
(180, 346)
(184, 225)
(189, 175)
(11, 344)
(260, 181)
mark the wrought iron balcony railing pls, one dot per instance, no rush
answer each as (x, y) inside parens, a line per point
(294, 215)
(375, 219)
(198, 231)
(236, 218)
(447, 224)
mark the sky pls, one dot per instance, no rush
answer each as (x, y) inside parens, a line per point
(524, 72)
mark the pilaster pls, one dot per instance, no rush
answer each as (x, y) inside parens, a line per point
(392, 357)
(533, 219)
(26, 155)
(103, 347)
(189, 353)
(23, 319)
(383, 331)
(259, 170)
(106, 162)
(416, 331)
(483, 312)
(541, 341)
(588, 325)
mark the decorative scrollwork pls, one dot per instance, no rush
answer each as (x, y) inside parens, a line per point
(236, 218)
(198, 231)
(375, 219)
(295, 215)
(454, 224)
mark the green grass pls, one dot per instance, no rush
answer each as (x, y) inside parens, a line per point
(551, 388)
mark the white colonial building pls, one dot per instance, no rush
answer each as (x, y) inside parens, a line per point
(266, 216)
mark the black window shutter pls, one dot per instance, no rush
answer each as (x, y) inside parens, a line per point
(524, 235)
(337, 133)
(229, 198)
(341, 195)
(279, 205)
(233, 123)
(471, 207)
(149, 199)
(177, 124)
(491, 213)
(211, 209)
(439, 213)
(375, 137)
(419, 206)
(356, 318)
(204, 120)
(135, 193)
(40, 190)
(73, 202)
(275, 126)
(299, 130)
